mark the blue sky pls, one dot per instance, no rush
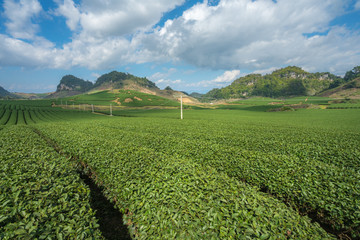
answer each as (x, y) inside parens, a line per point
(190, 45)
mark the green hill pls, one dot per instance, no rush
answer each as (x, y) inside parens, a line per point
(120, 83)
(289, 81)
(70, 85)
(350, 89)
(117, 80)
(120, 97)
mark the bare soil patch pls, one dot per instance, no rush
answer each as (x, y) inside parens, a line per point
(117, 101)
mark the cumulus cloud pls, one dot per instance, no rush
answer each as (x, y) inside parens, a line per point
(168, 81)
(15, 52)
(69, 10)
(251, 35)
(104, 30)
(220, 81)
(227, 77)
(255, 35)
(162, 79)
(114, 17)
(19, 15)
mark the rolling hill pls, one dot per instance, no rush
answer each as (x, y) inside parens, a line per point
(349, 90)
(116, 87)
(289, 81)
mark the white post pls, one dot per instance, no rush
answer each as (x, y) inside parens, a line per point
(181, 107)
(92, 108)
(110, 110)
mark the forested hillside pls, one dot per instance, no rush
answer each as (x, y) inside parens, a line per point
(289, 81)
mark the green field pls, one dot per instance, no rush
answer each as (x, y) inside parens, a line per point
(236, 172)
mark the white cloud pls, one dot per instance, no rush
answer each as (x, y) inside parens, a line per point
(223, 80)
(104, 30)
(251, 35)
(14, 52)
(114, 17)
(227, 77)
(162, 79)
(167, 81)
(19, 15)
(95, 53)
(69, 10)
(256, 35)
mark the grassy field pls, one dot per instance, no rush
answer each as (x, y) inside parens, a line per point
(227, 173)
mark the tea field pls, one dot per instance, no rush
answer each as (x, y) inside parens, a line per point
(216, 174)
(25, 112)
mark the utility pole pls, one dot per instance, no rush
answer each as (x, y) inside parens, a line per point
(181, 108)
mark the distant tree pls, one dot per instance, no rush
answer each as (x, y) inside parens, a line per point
(295, 87)
(168, 88)
(215, 94)
(354, 73)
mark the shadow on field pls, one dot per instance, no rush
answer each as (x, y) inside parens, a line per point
(109, 218)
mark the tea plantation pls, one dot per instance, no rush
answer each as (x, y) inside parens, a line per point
(217, 174)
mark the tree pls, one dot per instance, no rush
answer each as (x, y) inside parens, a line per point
(354, 73)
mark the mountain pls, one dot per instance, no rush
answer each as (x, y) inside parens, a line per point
(349, 89)
(118, 80)
(71, 85)
(6, 94)
(289, 81)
